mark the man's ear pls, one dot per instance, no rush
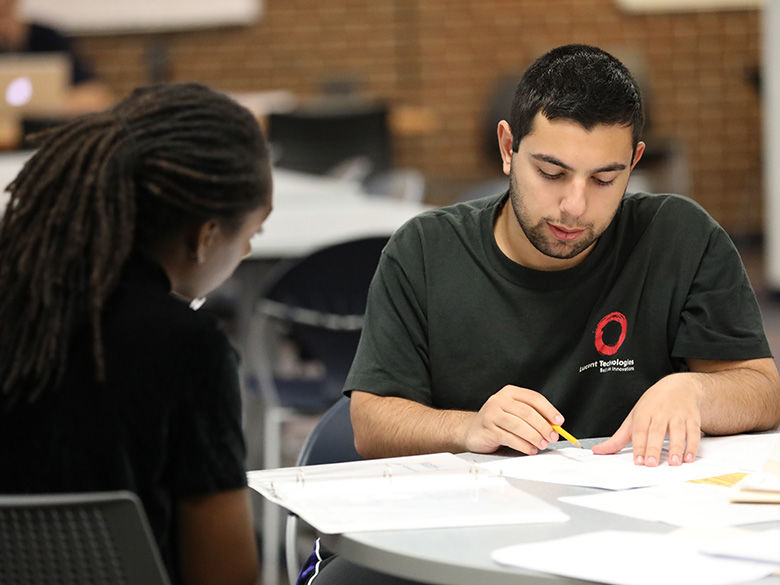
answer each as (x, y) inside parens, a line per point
(638, 152)
(505, 145)
(202, 240)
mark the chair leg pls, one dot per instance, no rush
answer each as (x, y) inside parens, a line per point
(291, 548)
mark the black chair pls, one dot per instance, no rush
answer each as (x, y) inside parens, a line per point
(96, 538)
(314, 305)
(345, 137)
(331, 441)
(319, 137)
(317, 303)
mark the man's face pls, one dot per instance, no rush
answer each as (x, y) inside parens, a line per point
(566, 183)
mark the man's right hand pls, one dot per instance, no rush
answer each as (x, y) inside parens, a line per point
(513, 417)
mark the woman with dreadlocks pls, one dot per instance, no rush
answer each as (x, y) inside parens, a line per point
(109, 380)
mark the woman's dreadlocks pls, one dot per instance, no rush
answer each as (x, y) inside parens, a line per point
(165, 157)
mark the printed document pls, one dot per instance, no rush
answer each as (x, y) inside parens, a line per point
(581, 467)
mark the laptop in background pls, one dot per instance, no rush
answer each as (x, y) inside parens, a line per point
(33, 84)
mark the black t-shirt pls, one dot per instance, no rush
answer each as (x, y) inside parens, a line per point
(451, 319)
(166, 424)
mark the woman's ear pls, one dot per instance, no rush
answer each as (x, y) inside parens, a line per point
(202, 240)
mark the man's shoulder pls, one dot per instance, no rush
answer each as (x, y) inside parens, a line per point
(443, 227)
(660, 200)
(666, 210)
(461, 215)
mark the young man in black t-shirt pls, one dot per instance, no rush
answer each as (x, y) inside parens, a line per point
(563, 300)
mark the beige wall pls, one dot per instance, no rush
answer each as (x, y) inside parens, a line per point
(446, 55)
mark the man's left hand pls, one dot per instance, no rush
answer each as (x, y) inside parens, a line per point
(671, 406)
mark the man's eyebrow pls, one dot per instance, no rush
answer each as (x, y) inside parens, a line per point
(616, 166)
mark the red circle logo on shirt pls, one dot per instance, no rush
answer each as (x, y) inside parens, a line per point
(602, 347)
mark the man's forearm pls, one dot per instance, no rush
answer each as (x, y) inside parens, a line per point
(738, 399)
(392, 427)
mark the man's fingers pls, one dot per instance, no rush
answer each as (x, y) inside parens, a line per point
(677, 435)
(517, 443)
(547, 412)
(515, 426)
(653, 441)
(616, 442)
(692, 437)
(512, 417)
(528, 423)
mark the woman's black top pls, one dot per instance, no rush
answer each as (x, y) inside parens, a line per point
(166, 424)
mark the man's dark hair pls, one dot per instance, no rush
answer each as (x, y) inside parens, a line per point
(580, 83)
(165, 158)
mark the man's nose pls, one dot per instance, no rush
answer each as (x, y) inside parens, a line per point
(574, 201)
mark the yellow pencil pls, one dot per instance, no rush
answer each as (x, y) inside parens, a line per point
(567, 436)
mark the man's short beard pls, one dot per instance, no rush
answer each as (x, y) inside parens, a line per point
(539, 234)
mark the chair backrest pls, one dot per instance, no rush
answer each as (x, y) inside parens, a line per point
(317, 138)
(332, 439)
(322, 299)
(96, 538)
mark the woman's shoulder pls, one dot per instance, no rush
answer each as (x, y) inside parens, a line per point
(143, 312)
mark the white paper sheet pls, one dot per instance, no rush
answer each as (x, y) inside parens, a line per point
(630, 558)
(571, 466)
(684, 504)
(761, 546)
(426, 491)
(751, 450)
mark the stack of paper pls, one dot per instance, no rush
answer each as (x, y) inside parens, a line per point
(762, 486)
(758, 487)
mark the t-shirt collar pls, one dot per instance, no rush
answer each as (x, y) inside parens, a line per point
(545, 279)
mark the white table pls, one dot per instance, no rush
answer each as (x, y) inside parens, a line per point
(311, 211)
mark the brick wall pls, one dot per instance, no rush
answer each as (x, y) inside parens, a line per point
(447, 55)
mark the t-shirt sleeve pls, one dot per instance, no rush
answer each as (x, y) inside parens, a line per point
(209, 453)
(721, 319)
(392, 358)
